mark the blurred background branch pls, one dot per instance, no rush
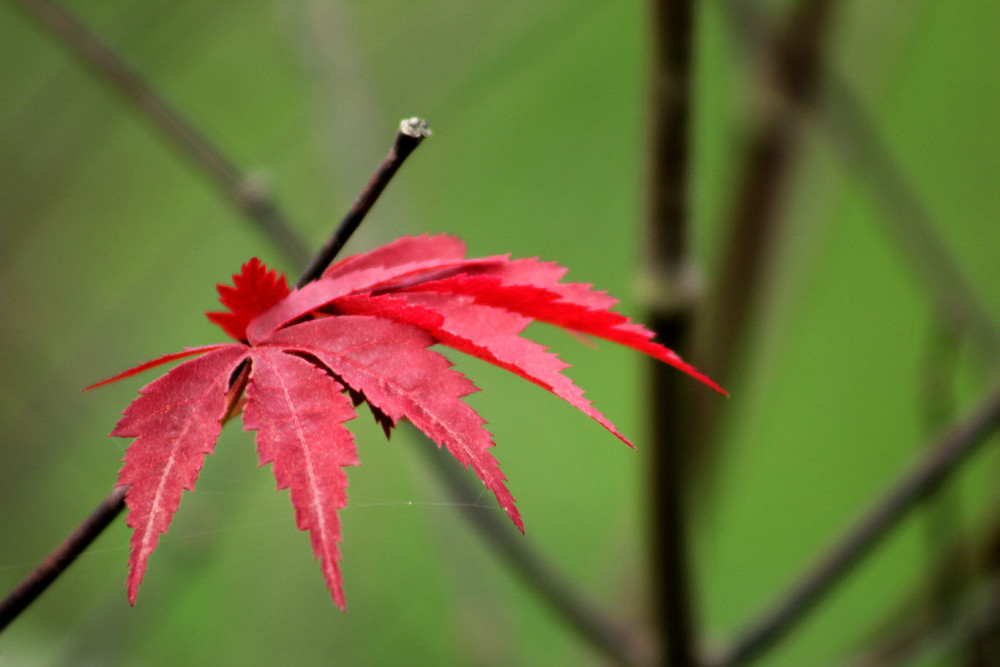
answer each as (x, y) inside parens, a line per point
(941, 461)
(248, 195)
(787, 73)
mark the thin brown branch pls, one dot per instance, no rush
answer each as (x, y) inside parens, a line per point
(35, 583)
(603, 633)
(963, 634)
(57, 562)
(671, 299)
(903, 633)
(411, 132)
(243, 193)
(943, 458)
(939, 599)
(790, 67)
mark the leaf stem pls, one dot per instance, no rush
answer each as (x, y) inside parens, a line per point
(944, 456)
(412, 132)
(244, 193)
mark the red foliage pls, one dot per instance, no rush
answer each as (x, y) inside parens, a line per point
(360, 333)
(254, 290)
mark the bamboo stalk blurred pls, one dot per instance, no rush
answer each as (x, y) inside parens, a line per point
(671, 294)
(788, 75)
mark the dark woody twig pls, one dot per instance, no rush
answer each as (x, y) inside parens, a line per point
(35, 583)
(411, 132)
(789, 66)
(671, 297)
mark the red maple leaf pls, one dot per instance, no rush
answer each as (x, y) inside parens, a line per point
(361, 333)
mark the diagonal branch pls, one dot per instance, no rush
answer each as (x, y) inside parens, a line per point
(411, 132)
(908, 627)
(243, 193)
(943, 458)
(76, 543)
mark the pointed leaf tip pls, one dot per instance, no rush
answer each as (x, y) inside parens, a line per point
(153, 363)
(175, 421)
(298, 412)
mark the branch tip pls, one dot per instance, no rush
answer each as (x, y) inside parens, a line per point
(415, 127)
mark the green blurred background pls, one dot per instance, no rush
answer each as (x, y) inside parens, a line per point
(111, 244)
